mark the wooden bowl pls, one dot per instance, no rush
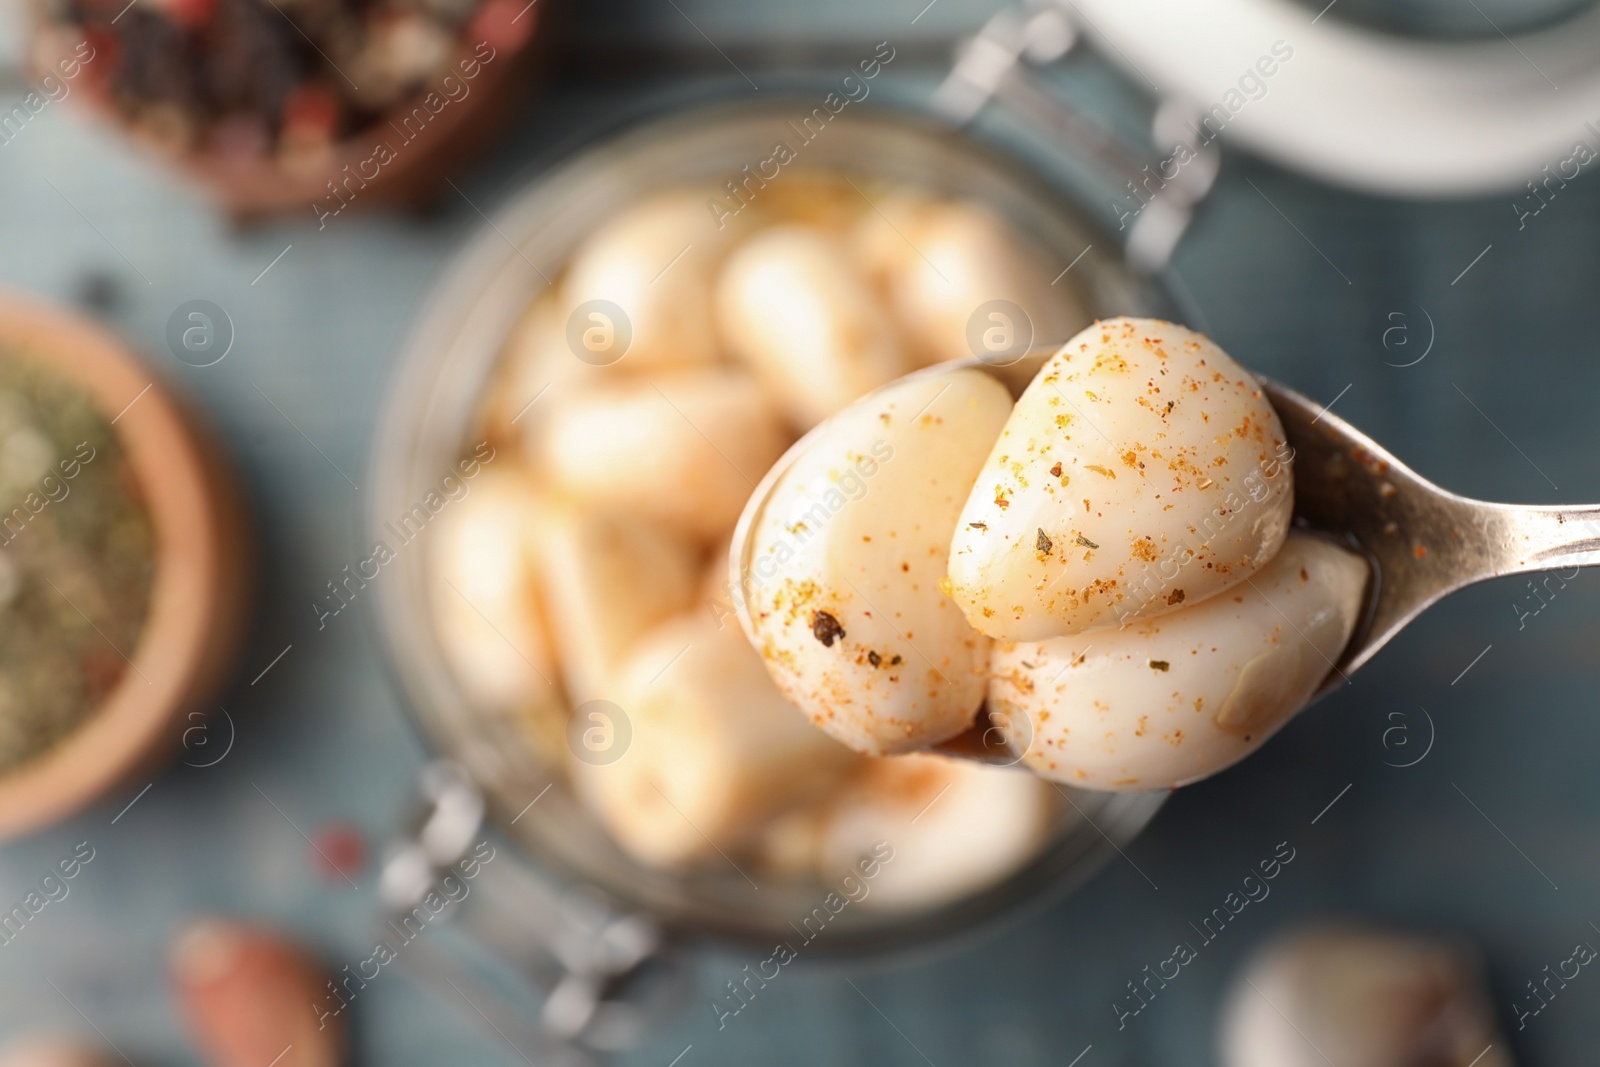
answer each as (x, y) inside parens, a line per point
(198, 598)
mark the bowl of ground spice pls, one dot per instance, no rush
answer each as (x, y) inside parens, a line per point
(123, 577)
(314, 106)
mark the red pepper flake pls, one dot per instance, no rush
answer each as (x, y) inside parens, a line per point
(339, 851)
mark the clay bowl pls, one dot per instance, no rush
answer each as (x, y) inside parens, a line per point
(252, 190)
(198, 601)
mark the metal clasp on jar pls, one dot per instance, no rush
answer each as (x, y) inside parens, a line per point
(999, 64)
(506, 938)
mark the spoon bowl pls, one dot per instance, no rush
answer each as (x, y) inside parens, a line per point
(1423, 542)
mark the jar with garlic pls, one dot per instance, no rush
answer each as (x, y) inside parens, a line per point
(636, 362)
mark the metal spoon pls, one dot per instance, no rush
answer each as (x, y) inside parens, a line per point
(1423, 542)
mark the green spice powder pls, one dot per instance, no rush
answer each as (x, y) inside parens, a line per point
(77, 558)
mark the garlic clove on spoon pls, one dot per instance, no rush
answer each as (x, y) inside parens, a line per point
(1142, 470)
(1170, 700)
(846, 565)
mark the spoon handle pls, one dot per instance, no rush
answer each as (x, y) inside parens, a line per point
(1537, 538)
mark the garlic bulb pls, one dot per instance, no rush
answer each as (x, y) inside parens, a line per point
(1362, 998)
(715, 750)
(537, 365)
(682, 449)
(937, 828)
(798, 310)
(485, 592)
(954, 827)
(656, 263)
(607, 580)
(943, 263)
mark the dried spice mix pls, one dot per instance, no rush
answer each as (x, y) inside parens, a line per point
(77, 558)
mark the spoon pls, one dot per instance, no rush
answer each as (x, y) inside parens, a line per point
(1423, 542)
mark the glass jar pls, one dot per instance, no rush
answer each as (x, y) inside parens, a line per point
(433, 407)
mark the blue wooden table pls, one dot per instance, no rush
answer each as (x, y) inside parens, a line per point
(1489, 836)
